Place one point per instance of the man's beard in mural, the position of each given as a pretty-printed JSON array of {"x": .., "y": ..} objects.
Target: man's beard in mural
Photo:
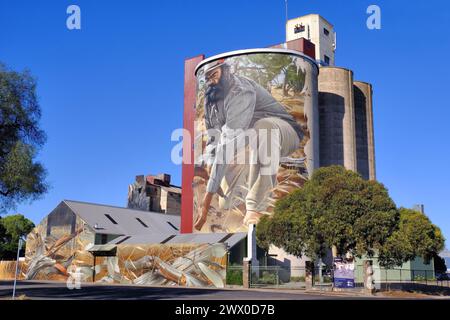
[
  {"x": 216, "y": 93},
  {"x": 213, "y": 94}
]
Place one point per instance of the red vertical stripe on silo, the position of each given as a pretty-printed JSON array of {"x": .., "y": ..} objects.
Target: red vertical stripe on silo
[{"x": 187, "y": 195}]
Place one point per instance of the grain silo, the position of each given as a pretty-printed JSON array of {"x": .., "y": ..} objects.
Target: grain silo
[
  {"x": 252, "y": 90},
  {"x": 365, "y": 145},
  {"x": 337, "y": 118}
]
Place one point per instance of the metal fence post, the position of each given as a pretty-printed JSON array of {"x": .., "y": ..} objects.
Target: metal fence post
[
  {"x": 278, "y": 278},
  {"x": 17, "y": 268},
  {"x": 386, "y": 280}
]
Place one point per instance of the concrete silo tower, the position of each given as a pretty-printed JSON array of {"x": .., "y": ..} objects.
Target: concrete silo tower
[
  {"x": 365, "y": 144},
  {"x": 337, "y": 118},
  {"x": 346, "y": 134}
]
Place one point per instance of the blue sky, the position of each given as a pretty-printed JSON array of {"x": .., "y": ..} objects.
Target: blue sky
[{"x": 112, "y": 92}]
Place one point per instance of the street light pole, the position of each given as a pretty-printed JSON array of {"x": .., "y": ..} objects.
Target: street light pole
[{"x": 17, "y": 268}]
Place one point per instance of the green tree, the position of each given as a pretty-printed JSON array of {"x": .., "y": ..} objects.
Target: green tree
[
  {"x": 439, "y": 265},
  {"x": 11, "y": 229},
  {"x": 335, "y": 209},
  {"x": 415, "y": 237},
  {"x": 22, "y": 178}
]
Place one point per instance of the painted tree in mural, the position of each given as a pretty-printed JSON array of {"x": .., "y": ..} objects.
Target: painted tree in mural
[
  {"x": 415, "y": 237},
  {"x": 267, "y": 66},
  {"x": 335, "y": 209},
  {"x": 266, "y": 70},
  {"x": 21, "y": 176}
]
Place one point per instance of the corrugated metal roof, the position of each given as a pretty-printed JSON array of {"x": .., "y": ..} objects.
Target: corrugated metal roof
[
  {"x": 141, "y": 239},
  {"x": 102, "y": 247},
  {"x": 123, "y": 221},
  {"x": 231, "y": 239}
]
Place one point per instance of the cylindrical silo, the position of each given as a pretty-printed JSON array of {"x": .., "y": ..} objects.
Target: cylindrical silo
[
  {"x": 242, "y": 95},
  {"x": 337, "y": 118},
  {"x": 365, "y": 142}
]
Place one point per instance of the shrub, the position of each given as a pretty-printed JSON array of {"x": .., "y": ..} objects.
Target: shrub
[
  {"x": 267, "y": 278},
  {"x": 234, "y": 276},
  {"x": 298, "y": 279}
]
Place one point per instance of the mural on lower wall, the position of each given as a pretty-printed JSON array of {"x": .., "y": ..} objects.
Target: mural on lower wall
[
  {"x": 193, "y": 265},
  {"x": 62, "y": 248},
  {"x": 53, "y": 250},
  {"x": 62, "y": 255},
  {"x": 8, "y": 270}
]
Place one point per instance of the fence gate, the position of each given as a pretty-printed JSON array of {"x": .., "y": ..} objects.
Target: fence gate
[{"x": 277, "y": 277}]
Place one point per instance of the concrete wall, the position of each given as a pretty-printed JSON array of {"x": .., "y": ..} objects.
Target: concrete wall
[
  {"x": 279, "y": 257},
  {"x": 337, "y": 118},
  {"x": 170, "y": 202}
]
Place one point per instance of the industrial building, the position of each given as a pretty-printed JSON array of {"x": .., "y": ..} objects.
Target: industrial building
[
  {"x": 319, "y": 31},
  {"x": 154, "y": 193},
  {"x": 99, "y": 243}
]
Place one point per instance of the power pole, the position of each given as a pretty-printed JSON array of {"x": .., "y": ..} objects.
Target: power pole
[{"x": 286, "y": 7}]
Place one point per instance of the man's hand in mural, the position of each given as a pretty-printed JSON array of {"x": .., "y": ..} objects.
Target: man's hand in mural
[
  {"x": 205, "y": 208},
  {"x": 252, "y": 217},
  {"x": 202, "y": 172}
]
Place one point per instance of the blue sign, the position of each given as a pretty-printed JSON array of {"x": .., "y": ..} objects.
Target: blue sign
[
  {"x": 344, "y": 283},
  {"x": 344, "y": 273}
]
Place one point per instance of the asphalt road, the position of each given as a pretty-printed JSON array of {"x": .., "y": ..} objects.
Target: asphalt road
[{"x": 58, "y": 290}]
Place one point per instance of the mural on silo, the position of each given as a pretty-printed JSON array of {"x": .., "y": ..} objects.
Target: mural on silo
[
  {"x": 61, "y": 248},
  {"x": 254, "y": 121}
]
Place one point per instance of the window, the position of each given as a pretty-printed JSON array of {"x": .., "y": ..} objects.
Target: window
[
  {"x": 124, "y": 239},
  {"x": 228, "y": 236},
  {"x": 168, "y": 239},
  {"x": 326, "y": 32},
  {"x": 142, "y": 222},
  {"x": 172, "y": 225},
  {"x": 326, "y": 59},
  {"x": 110, "y": 218}
]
